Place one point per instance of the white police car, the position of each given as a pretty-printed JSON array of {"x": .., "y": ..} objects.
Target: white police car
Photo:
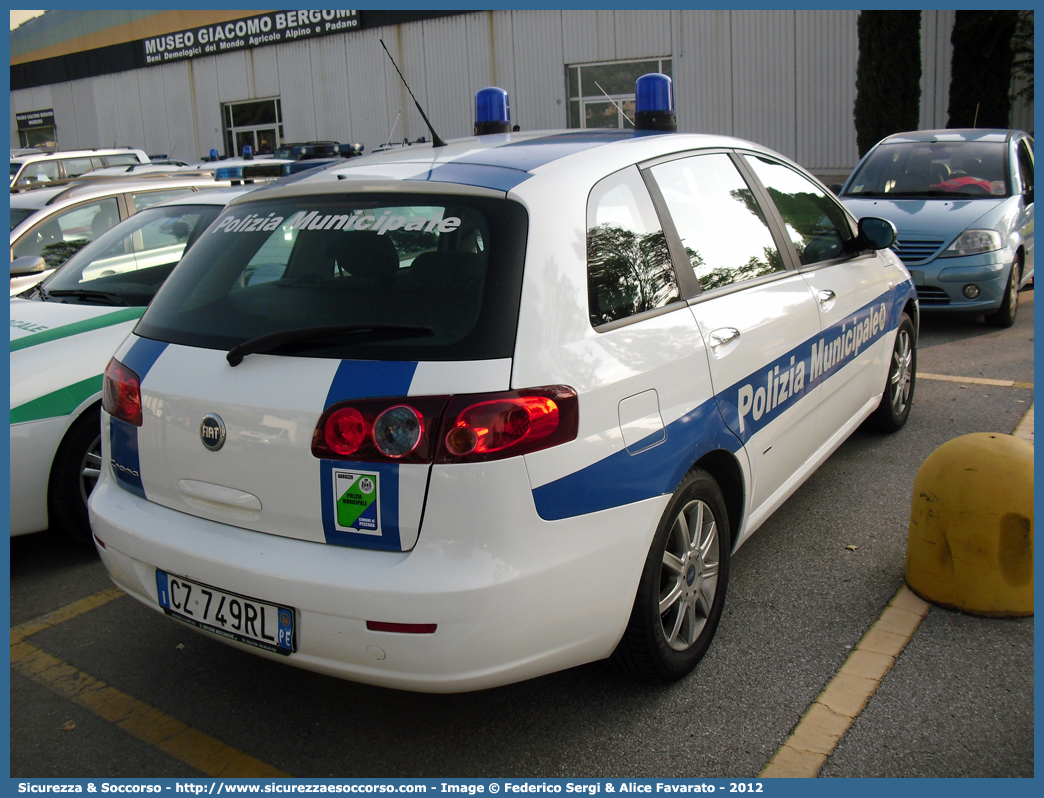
[
  {"x": 446, "y": 418},
  {"x": 63, "y": 333}
]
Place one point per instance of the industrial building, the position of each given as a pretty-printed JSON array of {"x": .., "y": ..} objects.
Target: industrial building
[{"x": 185, "y": 82}]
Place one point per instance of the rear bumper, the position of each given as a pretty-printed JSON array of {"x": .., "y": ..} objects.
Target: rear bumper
[{"x": 513, "y": 596}]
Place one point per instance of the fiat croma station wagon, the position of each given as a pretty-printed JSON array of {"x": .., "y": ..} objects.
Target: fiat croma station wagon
[{"x": 445, "y": 418}]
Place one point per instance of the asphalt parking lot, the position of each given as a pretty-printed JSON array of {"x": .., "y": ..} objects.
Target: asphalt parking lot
[{"x": 803, "y": 592}]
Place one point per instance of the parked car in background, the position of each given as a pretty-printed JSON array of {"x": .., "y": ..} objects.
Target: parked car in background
[
  {"x": 444, "y": 418},
  {"x": 63, "y": 332},
  {"x": 47, "y": 167},
  {"x": 54, "y": 223},
  {"x": 962, "y": 202}
]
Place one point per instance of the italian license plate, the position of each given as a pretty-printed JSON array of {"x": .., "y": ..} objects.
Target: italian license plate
[{"x": 248, "y": 620}]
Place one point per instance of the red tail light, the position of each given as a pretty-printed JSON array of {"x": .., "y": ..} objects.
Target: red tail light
[
  {"x": 461, "y": 429},
  {"x": 506, "y": 424},
  {"x": 121, "y": 393},
  {"x": 389, "y": 430}
]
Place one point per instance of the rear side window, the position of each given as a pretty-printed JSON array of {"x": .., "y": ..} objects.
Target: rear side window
[
  {"x": 629, "y": 268},
  {"x": 721, "y": 225},
  {"x": 447, "y": 267}
]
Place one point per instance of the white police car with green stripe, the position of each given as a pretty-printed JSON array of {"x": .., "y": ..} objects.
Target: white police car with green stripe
[
  {"x": 449, "y": 417},
  {"x": 63, "y": 333}
]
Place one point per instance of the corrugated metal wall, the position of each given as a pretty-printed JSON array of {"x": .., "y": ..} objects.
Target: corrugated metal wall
[
  {"x": 763, "y": 84},
  {"x": 783, "y": 78},
  {"x": 936, "y": 55},
  {"x": 827, "y": 49}
]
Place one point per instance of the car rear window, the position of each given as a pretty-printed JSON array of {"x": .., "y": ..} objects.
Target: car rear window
[{"x": 449, "y": 266}]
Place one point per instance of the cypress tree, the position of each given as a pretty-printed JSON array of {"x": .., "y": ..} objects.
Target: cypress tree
[
  {"x": 888, "y": 75},
  {"x": 980, "y": 73}
]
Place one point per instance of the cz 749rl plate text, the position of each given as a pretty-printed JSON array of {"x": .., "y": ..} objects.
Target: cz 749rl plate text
[{"x": 230, "y": 615}]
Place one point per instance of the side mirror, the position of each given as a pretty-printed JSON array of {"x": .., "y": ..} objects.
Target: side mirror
[
  {"x": 836, "y": 188},
  {"x": 876, "y": 233},
  {"x": 27, "y": 264},
  {"x": 1029, "y": 195}
]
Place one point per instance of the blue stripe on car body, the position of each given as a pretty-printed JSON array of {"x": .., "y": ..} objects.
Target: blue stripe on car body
[
  {"x": 123, "y": 437},
  {"x": 469, "y": 174},
  {"x": 366, "y": 379},
  {"x": 623, "y": 478}
]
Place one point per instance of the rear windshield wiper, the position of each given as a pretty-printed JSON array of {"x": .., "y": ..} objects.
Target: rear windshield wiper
[
  {"x": 323, "y": 336},
  {"x": 103, "y": 297}
]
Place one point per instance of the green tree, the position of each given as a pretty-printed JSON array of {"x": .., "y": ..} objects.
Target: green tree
[
  {"x": 980, "y": 73},
  {"x": 888, "y": 75},
  {"x": 1022, "y": 49}
]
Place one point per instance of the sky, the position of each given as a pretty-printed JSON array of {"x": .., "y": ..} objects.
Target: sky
[{"x": 18, "y": 17}]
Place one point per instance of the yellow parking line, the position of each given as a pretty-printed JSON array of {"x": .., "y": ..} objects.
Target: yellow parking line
[
  {"x": 201, "y": 751},
  {"x": 19, "y": 633},
  {"x": 921, "y": 375},
  {"x": 835, "y": 710}
]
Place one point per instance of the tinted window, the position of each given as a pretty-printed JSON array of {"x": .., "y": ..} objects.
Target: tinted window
[
  {"x": 65, "y": 233},
  {"x": 143, "y": 199},
  {"x": 450, "y": 264},
  {"x": 721, "y": 225},
  {"x": 945, "y": 168},
  {"x": 130, "y": 262},
  {"x": 120, "y": 160},
  {"x": 629, "y": 267},
  {"x": 815, "y": 224},
  {"x": 76, "y": 166},
  {"x": 19, "y": 214}
]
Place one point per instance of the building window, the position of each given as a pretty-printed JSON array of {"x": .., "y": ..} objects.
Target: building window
[
  {"x": 257, "y": 123},
  {"x": 602, "y": 94}
]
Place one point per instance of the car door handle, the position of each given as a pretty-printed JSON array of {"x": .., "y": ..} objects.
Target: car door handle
[
  {"x": 723, "y": 335},
  {"x": 825, "y": 296}
]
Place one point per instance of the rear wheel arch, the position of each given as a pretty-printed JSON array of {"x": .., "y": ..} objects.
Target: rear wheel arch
[
  {"x": 911, "y": 309},
  {"x": 725, "y": 469}
]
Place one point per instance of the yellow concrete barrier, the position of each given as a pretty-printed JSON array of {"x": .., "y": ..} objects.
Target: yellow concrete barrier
[{"x": 970, "y": 545}]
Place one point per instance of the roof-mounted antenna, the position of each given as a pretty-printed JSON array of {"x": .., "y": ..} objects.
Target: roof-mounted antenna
[
  {"x": 392, "y": 131},
  {"x": 618, "y": 108},
  {"x": 436, "y": 141}
]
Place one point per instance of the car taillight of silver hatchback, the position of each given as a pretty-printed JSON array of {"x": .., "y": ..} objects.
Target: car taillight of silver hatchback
[{"x": 447, "y": 429}]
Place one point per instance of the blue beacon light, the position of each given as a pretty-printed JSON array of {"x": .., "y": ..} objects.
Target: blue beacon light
[
  {"x": 654, "y": 103},
  {"x": 248, "y": 153},
  {"x": 492, "y": 111},
  {"x": 213, "y": 154}
]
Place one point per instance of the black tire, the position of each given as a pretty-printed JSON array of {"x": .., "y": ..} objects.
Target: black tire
[
  {"x": 898, "y": 396},
  {"x": 73, "y": 476},
  {"x": 1004, "y": 316},
  {"x": 665, "y": 646}
]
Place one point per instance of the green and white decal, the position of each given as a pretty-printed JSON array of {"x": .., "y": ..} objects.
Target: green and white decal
[{"x": 356, "y": 501}]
